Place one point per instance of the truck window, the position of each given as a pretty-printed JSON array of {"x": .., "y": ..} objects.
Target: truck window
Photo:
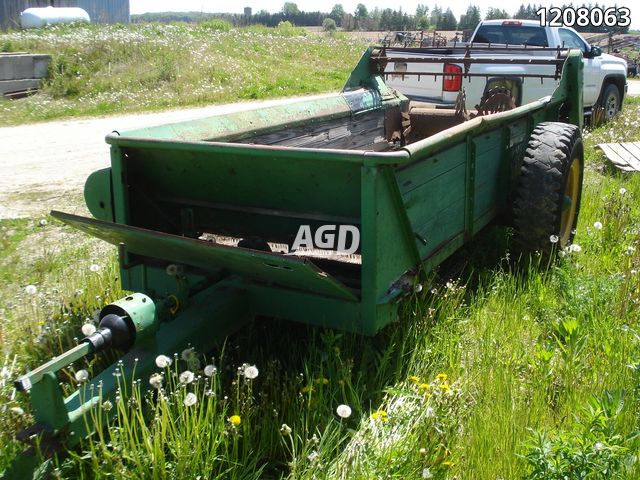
[
  {"x": 571, "y": 39},
  {"x": 512, "y": 34}
]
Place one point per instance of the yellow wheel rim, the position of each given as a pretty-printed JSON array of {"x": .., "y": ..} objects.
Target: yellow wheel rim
[{"x": 570, "y": 201}]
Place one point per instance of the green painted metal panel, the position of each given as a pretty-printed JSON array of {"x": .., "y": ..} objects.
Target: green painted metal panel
[
  {"x": 258, "y": 266},
  {"x": 97, "y": 194},
  {"x": 433, "y": 195},
  {"x": 235, "y": 126},
  {"x": 490, "y": 161}
]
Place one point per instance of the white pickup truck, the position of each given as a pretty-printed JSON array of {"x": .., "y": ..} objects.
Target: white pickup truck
[{"x": 604, "y": 79}]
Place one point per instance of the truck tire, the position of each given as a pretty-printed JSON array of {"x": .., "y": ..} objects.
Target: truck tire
[
  {"x": 547, "y": 198},
  {"x": 609, "y": 101}
]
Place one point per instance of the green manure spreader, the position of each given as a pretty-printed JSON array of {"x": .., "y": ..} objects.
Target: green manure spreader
[{"x": 324, "y": 211}]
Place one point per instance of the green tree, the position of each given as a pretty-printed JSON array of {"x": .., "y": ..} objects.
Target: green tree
[
  {"x": 423, "y": 23},
  {"x": 329, "y": 25},
  {"x": 447, "y": 21},
  {"x": 470, "y": 19},
  {"x": 421, "y": 11},
  {"x": 337, "y": 12},
  {"x": 290, "y": 9},
  {"x": 436, "y": 13},
  {"x": 496, "y": 13},
  {"x": 361, "y": 14}
]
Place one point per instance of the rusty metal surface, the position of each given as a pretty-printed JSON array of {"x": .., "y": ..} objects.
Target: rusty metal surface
[{"x": 624, "y": 156}]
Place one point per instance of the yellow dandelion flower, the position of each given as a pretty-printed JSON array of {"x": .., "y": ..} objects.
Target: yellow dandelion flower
[
  {"x": 322, "y": 381},
  {"x": 307, "y": 389},
  {"x": 424, "y": 387},
  {"x": 442, "y": 377},
  {"x": 444, "y": 387},
  {"x": 380, "y": 415},
  {"x": 235, "y": 420},
  {"x": 448, "y": 463},
  {"x": 414, "y": 379}
]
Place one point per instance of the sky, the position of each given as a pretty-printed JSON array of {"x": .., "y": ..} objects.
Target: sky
[{"x": 409, "y": 6}]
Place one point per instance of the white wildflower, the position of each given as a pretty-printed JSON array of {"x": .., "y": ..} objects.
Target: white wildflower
[
  {"x": 598, "y": 447},
  {"x": 575, "y": 248},
  {"x": 188, "y": 354},
  {"x": 88, "y": 329},
  {"x": 94, "y": 267},
  {"x": 43, "y": 223},
  {"x": 630, "y": 249},
  {"x": 31, "y": 289},
  {"x": 430, "y": 412},
  {"x": 313, "y": 456},
  {"x": 17, "y": 410},
  {"x": 554, "y": 239},
  {"x": 82, "y": 376},
  {"x": 162, "y": 361},
  {"x": 190, "y": 399},
  {"x": 285, "y": 429},
  {"x": 155, "y": 381},
  {"x": 623, "y": 191},
  {"x": 343, "y": 411},
  {"x": 186, "y": 377},
  {"x": 426, "y": 473},
  {"x": 107, "y": 405},
  {"x": 597, "y": 225},
  {"x": 251, "y": 372}
]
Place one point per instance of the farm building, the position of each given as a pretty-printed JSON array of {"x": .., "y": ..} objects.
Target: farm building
[{"x": 100, "y": 11}]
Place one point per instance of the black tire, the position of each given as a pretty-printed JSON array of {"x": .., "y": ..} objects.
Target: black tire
[
  {"x": 609, "y": 101},
  {"x": 547, "y": 199}
]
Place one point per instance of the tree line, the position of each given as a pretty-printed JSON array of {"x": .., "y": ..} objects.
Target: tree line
[{"x": 423, "y": 18}]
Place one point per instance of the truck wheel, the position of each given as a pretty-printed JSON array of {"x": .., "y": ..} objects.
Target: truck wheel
[
  {"x": 547, "y": 200},
  {"x": 610, "y": 101}
]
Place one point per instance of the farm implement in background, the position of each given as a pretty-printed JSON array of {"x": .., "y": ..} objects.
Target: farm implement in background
[{"x": 210, "y": 218}]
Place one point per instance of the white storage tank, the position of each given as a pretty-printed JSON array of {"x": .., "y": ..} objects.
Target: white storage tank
[{"x": 41, "y": 17}]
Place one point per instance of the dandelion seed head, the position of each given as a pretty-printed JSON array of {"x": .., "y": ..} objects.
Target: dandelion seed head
[
  {"x": 107, "y": 405},
  {"x": 162, "y": 361},
  {"x": 31, "y": 289},
  {"x": 16, "y": 410},
  {"x": 313, "y": 456},
  {"x": 94, "y": 267},
  {"x": 251, "y": 372},
  {"x": 430, "y": 412},
  {"x": 155, "y": 380},
  {"x": 210, "y": 370},
  {"x": 343, "y": 411},
  {"x": 554, "y": 239},
  {"x": 622, "y": 191},
  {"x": 186, "y": 377},
  {"x": 426, "y": 473},
  {"x": 597, "y": 225},
  {"x": 574, "y": 248},
  {"x": 82, "y": 376},
  {"x": 88, "y": 329},
  {"x": 190, "y": 399},
  {"x": 43, "y": 223},
  {"x": 285, "y": 430}
]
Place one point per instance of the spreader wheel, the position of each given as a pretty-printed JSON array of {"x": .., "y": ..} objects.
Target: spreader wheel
[{"x": 547, "y": 200}]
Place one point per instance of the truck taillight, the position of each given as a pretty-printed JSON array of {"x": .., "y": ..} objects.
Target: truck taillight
[
  {"x": 513, "y": 23},
  {"x": 452, "y": 83}
]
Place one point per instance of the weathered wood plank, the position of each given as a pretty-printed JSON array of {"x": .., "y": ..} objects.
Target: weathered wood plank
[{"x": 625, "y": 156}]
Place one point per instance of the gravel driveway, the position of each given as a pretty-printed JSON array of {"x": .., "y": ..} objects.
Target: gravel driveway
[{"x": 44, "y": 166}]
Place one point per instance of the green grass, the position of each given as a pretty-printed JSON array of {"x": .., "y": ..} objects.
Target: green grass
[
  {"x": 98, "y": 70},
  {"x": 498, "y": 372}
]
